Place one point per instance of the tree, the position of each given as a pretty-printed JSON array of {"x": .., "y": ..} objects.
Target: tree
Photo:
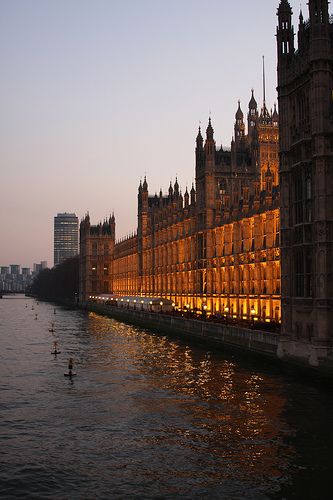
[{"x": 60, "y": 282}]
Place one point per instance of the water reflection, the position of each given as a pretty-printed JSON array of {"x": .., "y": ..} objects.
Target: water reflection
[
  {"x": 230, "y": 415},
  {"x": 149, "y": 416}
]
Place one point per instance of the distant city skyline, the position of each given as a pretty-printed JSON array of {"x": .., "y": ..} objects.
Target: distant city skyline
[{"x": 96, "y": 95}]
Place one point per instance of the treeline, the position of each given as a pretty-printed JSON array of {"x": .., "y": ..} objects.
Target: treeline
[{"x": 60, "y": 282}]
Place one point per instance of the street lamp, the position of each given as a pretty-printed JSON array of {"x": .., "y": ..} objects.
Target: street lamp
[
  {"x": 161, "y": 304},
  {"x": 252, "y": 312},
  {"x": 226, "y": 310},
  {"x": 150, "y": 305}
]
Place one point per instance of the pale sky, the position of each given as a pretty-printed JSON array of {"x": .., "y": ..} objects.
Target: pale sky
[{"x": 94, "y": 94}]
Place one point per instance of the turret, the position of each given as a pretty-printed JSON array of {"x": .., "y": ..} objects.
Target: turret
[
  {"x": 209, "y": 148},
  {"x": 142, "y": 208},
  {"x": 239, "y": 126},
  {"x": 170, "y": 191},
  {"x": 176, "y": 188},
  {"x": 285, "y": 32},
  {"x": 186, "y": 198},
  {"x": 252, "y": 117},
  {"x": 192, "y": 194},
  {"x": 319, "y": 30},
  {"x": 112, "y": 224},
  {"x": 301, "y": 29},
  {"x": 275, "y": 117}
]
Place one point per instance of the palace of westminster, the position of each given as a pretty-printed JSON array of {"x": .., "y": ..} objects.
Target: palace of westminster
[{"x": 253, "y": 238}]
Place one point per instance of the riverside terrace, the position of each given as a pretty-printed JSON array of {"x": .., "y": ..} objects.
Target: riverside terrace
[{"x": 163, "y": 306}]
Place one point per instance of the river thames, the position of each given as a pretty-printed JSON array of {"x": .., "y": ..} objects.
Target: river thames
[{"x": 149, "y": 416}]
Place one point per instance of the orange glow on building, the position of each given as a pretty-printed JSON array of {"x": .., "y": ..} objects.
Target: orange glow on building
[{"x": 214, "y": 249}]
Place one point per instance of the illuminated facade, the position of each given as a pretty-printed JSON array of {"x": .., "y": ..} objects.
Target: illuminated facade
[
  {"x": 216, "y": 247},
  {"x": 305, "y": 90}
]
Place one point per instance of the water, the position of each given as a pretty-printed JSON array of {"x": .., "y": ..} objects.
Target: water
[{"x": 150, "y": 417}]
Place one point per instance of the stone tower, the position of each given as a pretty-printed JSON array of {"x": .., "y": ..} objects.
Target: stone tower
[
  {"x": 96, "y": 257},
  {"x": 305, "y": 93}
]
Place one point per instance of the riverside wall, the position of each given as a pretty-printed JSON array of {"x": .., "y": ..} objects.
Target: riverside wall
[{"x": 255, "y": 341}]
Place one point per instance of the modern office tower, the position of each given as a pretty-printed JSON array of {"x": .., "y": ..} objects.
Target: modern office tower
[
  {"x": 66, "y": 227},
  {"x": 26, "y": 271},
  {"x": 4, "y": 270},
  {"x": 43, "y": 264},
  {"x": 305, "y": 83}
]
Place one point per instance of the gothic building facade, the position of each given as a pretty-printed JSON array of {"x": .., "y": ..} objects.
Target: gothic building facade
[
  {"x": 305, "y": 93},
  {"x": 216, "y": 247}
]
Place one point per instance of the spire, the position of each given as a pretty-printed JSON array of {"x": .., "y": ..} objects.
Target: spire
[
  {"x": 186, "y": 198},
  {"x": 275, "y": 116},
  {"x": 284, "y": 7},
  {"x": 140, "y": 187},
  {"x": 145, "y": 185},
  {"x": 263, "y": 81},
  {"x": 199, "y": 139},
  {"x": 239, "y": 114},
  {"x": 253, "y": 102},
  {"x": 176, "y": 188},
  {"x": 209, "y": 131},
  {"x": 301, "y": 19},
  {"x": 192, "y": 193},
  {"x": 170, "y": 190}
]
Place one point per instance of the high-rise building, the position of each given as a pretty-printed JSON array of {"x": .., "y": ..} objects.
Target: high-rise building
[
  {"x": 66, "y": 228},
  {"x": 305, "y": 91},
  {"x": 15, "y": 268}
]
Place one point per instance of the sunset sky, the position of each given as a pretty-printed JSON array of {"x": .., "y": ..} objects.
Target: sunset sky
[{"x": 96, "y": 94}]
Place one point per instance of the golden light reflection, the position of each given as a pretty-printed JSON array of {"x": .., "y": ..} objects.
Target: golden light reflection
[{"x": 233, "y": 413}]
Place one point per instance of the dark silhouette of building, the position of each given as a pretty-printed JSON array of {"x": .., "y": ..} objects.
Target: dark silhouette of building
[
  {"x": 305, "y": 93},
  {"x": 66, "y": 237}
]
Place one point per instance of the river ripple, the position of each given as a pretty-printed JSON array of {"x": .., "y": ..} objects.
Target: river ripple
[{"x": 150, "y": 417}]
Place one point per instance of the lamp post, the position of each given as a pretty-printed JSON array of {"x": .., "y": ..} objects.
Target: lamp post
[
  {"x": 252, "y": 312},
  {"x": 150, "y": 306},
  {"x": 161, "y": 304},
  {"x": 204, "y": 311},
  {"x": 226, "y": 310}
]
